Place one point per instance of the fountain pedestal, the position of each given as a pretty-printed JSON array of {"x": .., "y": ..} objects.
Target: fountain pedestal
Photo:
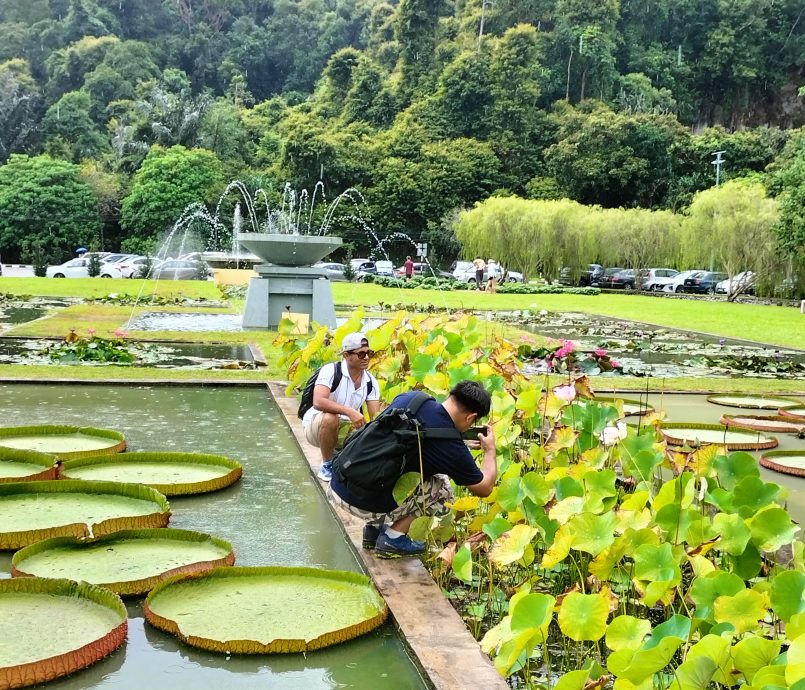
[
  {"x": 304, "y": 290},
  {"x": 286, "y": 281}
]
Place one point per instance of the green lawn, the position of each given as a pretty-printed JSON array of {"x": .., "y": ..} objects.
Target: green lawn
[
  {"x": 783, "y": 326},
  {"x": 98, "y": 287}
]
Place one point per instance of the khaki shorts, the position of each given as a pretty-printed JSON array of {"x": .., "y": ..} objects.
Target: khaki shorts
[
  {"x": 432, "y": 500},
  {"x": 313, "y": 430}
]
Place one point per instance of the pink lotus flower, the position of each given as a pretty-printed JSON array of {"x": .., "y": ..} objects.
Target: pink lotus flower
[
  {"x": 600, "y": 352},
  {"x": 91, "y": 331},
  {"x": 615, "y": 364},
  {"x": 119, "y": 333},
  {"x": 566, "y": 393}
]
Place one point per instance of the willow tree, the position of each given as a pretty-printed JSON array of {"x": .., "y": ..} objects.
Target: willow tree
[
  {"x": 732, "y": 226},
  {"x": 637, "y": 238},
  {"x": 532, "y": 236}
]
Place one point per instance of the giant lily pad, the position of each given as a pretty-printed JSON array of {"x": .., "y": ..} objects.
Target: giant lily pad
[
  {"x": 25, "y": 465},
  {"x": 172, "y": 474},
  {"x": 680, "y": 434},
  {"x": 129, "y": 562},
  {"x": 64, "y": 441},
  {"x": 795, "y": 413},
  {"x": 773, "y": 423},
  {"x": 50, "y": 628},
  {"x": 30, "y": 511},
  {"x": 756, "y": 402},
  {"x": 631, "y": 407},
  {"x": 785, "y": 461},
  {"x": 266, "y": 610}
]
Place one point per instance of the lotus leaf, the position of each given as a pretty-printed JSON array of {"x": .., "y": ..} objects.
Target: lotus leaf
[
  {"x": 627, "y": 632},
  {"x": 129, "y": 562},
  {"x": 733, "y": 532},
  {"x": 584, "y": 616},
  {"x": 592, "y": 533},
  {"x": 30, "y": 511},
  {"x": 637, "y": 666},
  {"x": 680, "y": 491},
  {"x": 694, "y": 674},
  {"x": 639, "y": 455},
  {"x": 495, "y": 527},
  {"x": 568, "y": 486},
  {"x": 510, "y": 547},
  {"x": 51, "y": 628},
  {"x": 747, "y": 565},
  {"x": 600, "y": 492},
  {"x": 509, "y": 493},
  {"x": 700, "y": 533},
  {"x": 734, "y": 467},
  {"x": 462, "y": 563},
  {"x": 772, "y": 676},
  {"x": 533, "y": 612},
  {"x": 795, "y": 668},
  {"x": 751, "y": 494},
  {"x": 716, "y": 649},
  {"x": 795, "y": 626},
  {"x": 656, "y": 571},
  {"x": 675, "y": 522},
  {"x": 788, "y": 594},
  {"x": 705, "y": 590},
  {"x": 742, "y": 610},
  {"x": 675, "y": 627},
  {"x": 536, "y": 488},
  {"x": 635, "y": 501},
  {"x": 753, "y": 653},
  {"x": 560, "y": 547},
  {"x": 265, "y": 610},
  {"x": 527, "y": 401},
  {"x": 405, "y": 486},
  {"x": 772, "y": 528}
]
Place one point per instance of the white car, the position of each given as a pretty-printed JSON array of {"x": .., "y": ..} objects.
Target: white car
[
  {"x": 655, "y": 279},
  {"x": 677, "y": 283},
  {"x": 465, "y": 272},
  {"x": 745, "y": 282},
  {"x": 131, "y": 266},
  {"x": 79, "y": 268}
]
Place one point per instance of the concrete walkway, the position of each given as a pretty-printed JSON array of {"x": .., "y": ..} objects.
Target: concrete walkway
[{"x": 448, "y": 655}]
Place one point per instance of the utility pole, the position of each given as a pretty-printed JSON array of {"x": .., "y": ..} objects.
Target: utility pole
[{"x": 717, "y": 161}]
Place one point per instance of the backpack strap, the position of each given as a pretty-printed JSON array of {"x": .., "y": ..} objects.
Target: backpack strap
[
  {"x": 419, "y": 399},
  {"x": 337, "y": 375}
]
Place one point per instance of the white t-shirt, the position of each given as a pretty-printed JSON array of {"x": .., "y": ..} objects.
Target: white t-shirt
[
  {"x": 345, "y": 393},
  {"x": 493, "y": 269}
]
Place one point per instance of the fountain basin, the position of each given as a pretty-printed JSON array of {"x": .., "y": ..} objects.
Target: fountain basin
[{"x": 288, "y": 250}]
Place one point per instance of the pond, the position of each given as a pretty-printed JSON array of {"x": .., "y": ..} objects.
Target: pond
[
  {"x": 195, "y": 322},
  {"x": 646, "y": 350},
  {"x": 274, "y": 516},
  {"x": 160, "y": 355},
  {"x": 13, "y": 313}
]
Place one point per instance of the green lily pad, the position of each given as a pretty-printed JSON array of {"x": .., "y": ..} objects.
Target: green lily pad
[
  {"x": 265, "y": 610},
  {"x": 51, "y": 628},
  {"x": 785, "y": 461},
  {"x": 754, "y": 653},
  {"x": 772, "y": 528},
  {"x": 692, "y": 434},
  {"x": 627, "y": 632},
  {"x": 756, "y": 402},
  {"x": 172, "y": 474},
  {"x": 129, "y": 562},
  {"x": 67, "y": 442},
  {"x": 31, "y": 511},
  {"x": 788, "y": 594},
  {"x": 26, "y": 465},
  {"x": 742, "y": 610},
  {"x": 584, "y": 616}
]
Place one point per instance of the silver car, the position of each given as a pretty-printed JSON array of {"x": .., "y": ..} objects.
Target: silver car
[{"x": 180, "y": 269}]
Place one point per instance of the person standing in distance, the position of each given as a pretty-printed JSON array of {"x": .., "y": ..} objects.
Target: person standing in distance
[
  {"x": 337, "y": 410},
  {"x": 408, "y": 266},
  {"x": 480, "y": 268}
]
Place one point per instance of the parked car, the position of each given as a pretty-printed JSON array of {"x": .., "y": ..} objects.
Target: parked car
[
  {"x": 114, "y": 258},
  {"x": 425, "y": 270},
  {"x": 385, "y": 268},
  {"x": 181, "y": 269},
  {"x": 677, "y": 283},
  {"x": 333, "y": 271},
  {"x": 131, "y": 266},
  {"x": 604, "y": 279},
  {"x": 586, "y": 277},
  {"x": 743, "y": 282},
  {"x": 465, "y": 272},
  {"x": 703, "y": 282},
  {"x": 79, "y": 268},
  {"x": 363, "y": 268},
  {"x": 655, "y": 279}
]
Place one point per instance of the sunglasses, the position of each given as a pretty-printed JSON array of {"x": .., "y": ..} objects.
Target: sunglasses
[{"x": 364, "y": 354}]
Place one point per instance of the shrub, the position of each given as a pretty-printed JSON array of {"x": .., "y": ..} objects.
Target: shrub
[{"x": 94, "y": 266}]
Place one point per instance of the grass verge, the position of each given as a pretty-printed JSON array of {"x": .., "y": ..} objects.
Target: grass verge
[{"x": 98, "y": 287}]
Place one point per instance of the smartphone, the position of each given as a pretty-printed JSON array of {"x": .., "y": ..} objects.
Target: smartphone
[{"x": 471, "y": 434}]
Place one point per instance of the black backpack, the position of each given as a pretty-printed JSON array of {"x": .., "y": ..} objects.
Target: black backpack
[
  {"x": 307, "y": 394},
  {"x": 374, "y": 457}
]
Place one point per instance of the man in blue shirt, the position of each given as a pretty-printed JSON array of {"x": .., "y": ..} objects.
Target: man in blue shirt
[{"x": 441, "y": 458}]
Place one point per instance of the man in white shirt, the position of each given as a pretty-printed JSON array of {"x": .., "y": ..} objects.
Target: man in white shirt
[{"x": 336, "y": 409}]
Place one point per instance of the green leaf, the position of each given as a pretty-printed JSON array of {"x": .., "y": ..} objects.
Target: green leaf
[
  {"x": 706, "y": 589},
  {"x": 717, "y": 650},
  {"x": 533, "y": 612},
  {"x": 751, "y": 494},
  {"x": 788, "y": 594},
  {"x": 422, "y": 365},
  {"x": 536, "y": 488},
  {"x": 584, "y": 616},
  {"x": 772, "y": 529},
  {"x": 644, "y": 663},
  {"x": 732, "y": 468},
  {"x": 405, "y": 486},
  {"x": 462, "y": 563},
  {"x": 510, "y": 547},
  {"x": 795, "y": 669},
  {"x": 742, "y": 610},
  {"x": 694, "y": 674},
  {"x": 627, "y": 632},
  {"x": 572, "y": 680},
  {"x": 676, "y": 626},
  {"x": 509, "y": 493},
  {"x": 593, "y": 533},
  {"x": 495, "y": 527},
  {"x": 734, "y": 533},
  {"x": 753, "y": 653}
]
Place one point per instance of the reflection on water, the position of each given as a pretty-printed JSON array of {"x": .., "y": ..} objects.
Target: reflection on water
[{"x": 274, "y": 516}]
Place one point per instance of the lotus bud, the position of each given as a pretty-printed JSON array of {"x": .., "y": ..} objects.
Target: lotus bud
[
  {"x": 610, "y": 436},
  {"x": 566, "y": 393}
]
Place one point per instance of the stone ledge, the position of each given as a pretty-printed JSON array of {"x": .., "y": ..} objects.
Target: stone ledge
[{"x": 444, "y": 649}]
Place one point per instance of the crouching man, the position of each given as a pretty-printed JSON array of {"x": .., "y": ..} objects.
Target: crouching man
[{"x": 443, "y": 454}]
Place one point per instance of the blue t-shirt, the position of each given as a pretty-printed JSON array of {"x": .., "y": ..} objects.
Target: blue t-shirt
[{"x": 439, "y": 456}]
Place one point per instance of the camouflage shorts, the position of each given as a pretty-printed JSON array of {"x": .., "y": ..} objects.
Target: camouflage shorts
[{"x": 431, "y": 498}]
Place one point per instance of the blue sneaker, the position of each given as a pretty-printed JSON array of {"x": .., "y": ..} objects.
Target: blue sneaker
[
  {"x": 326, "y": 471},
  {"x": 386, "y": 547}
]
